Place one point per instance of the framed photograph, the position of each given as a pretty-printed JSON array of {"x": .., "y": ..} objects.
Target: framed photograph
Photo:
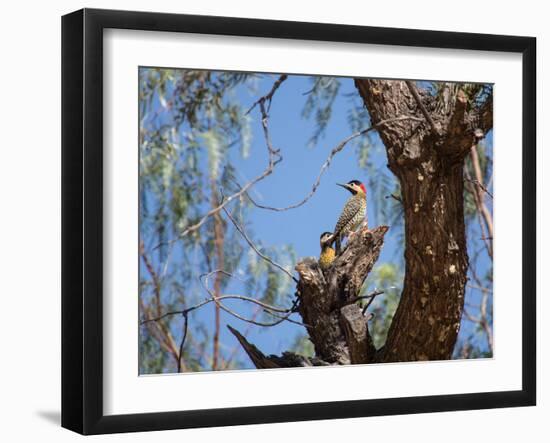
[{"x": 269, "y": 221}]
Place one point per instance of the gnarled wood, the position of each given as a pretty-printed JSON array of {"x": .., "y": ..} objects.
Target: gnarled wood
[
  {"x": 328, "y": 305},
  {"x": 354, "y": 323},
  {"x": 323, "y": 296},
  {"x": 287, "y": 360}
]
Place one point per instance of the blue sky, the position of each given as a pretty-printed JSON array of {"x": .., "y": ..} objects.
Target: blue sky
[{"x": 291, "y": 182}]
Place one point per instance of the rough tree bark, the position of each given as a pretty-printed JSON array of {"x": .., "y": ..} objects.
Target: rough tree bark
[
  {"x": 427, "y": 158},
  {"x": 328, "y": 306},
  {"x": 428, "y": 162}
]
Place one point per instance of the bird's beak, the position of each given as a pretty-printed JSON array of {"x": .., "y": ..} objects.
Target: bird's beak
[{"x": 346, "y": 186}]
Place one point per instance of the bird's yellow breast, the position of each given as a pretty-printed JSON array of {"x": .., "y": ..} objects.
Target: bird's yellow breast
[{"x": 327, "y": 257}]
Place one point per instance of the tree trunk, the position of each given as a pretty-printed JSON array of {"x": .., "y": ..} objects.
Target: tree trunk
[
  {"x": 428, "y": 161},
  {"x": 427, "y": 321}
]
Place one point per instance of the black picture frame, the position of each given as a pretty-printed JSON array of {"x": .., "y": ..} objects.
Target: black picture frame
[{"x": 82, "y": 219}]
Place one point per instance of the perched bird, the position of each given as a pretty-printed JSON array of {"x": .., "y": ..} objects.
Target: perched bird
[
  {"x": 353, "y": 214},
  {"x": 327, "y": 252}
]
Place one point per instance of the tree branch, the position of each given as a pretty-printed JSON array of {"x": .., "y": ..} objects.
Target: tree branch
[
  {"x": 161, "y": 332},
  {"x": 487, "y": 241},
  {"x": 372, "y": 297},
  {"x": 239, "y": 228},
  {"x": 423, "y": 109},
  {"x": 153, "y": 274},
  {"x": 269, "y": 96},
  {"x": 266, "y": 306},
  {"x": 182, "y": 343},
  {"x": 481, "y": 186},
  {"x": 328, "y": 161},
  {"x": 479, "y": 178},
  {"x": 258, "y": 323},
  {"x": 369, "y": 297},
  {"x": 485, "y": 114}
]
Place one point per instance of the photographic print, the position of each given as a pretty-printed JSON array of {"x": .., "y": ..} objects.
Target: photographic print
[{"x": 293, "y": 220}]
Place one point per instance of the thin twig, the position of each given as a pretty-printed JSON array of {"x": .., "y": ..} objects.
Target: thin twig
[
  {"x": 482, "y": 320},
  {"x": 482, "y": 225},
  {"x": 483, "y": 317},
  {"x": 317, "y": 81},
  {"x": 373, "y": 296},
  {"x": 363, "y": 297},
  {"x": 483, "y": 188},
  {"x": 153, "y": 274},
  {"x": 479, "y": 178},
  {"x": 423, "y": 109},
  {"x": 210, "y": 300},
  {"x": 170, "y": 313},
  {"x": 236, "y": 315},
  {"x": 163, "y": 337},
  {"x": 255, "y": 322},
  {"x": 471, "y": 305},
  {"x": 239, "y": 228},
  {"x": 162, "y": 333},
  {"x": 185, "y": 321},
  {"x": 484, "y": 323},
  {"x": 185, "y": 312},
  {"x": 470, "y": 317},
  {"x": 395, "y": 197},
  {"x": 479, "y": 288},
  {"x": 287, "y": 318},
  {"x": 269, "y": 96}
]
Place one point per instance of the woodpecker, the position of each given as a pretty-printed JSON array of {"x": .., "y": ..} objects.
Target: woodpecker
[
  {"x": 353, "y": 214},
  {"x": 327, "y": 252}
]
